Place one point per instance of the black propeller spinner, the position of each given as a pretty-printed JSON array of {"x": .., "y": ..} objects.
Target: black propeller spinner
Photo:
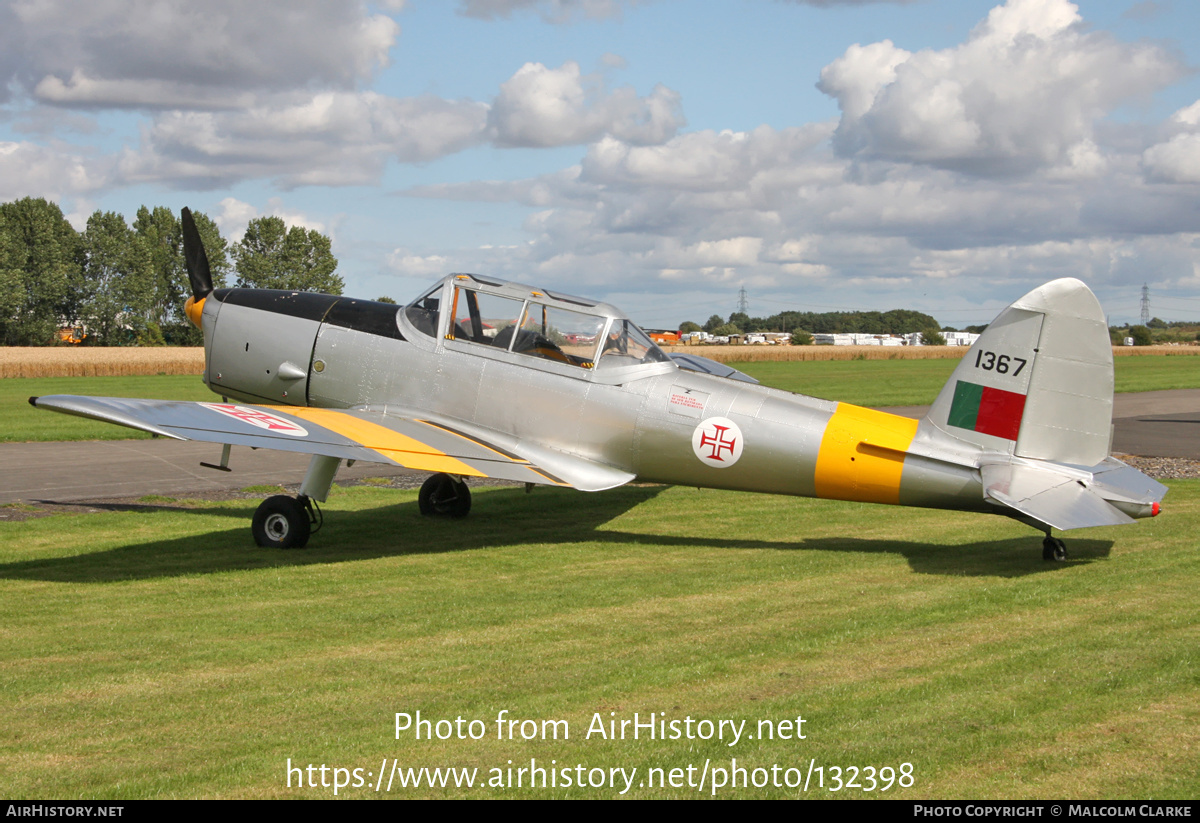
[{"x": 195, "y": 257}]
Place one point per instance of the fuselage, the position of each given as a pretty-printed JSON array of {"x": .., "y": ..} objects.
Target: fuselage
[{"x": 628, "y": 408}]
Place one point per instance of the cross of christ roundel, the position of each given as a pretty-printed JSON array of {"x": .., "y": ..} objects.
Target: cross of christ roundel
[{"x": 717, "y": 442}]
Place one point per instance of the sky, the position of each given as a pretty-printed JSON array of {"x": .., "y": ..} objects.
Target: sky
[{"x": 939, "y": 155}]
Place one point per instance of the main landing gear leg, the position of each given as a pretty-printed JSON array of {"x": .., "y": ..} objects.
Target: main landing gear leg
[
  {"x": 444, "y": 495},
  {"x": 1053, "y": 548}
]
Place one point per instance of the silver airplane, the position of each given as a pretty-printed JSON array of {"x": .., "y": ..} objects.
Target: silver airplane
[{"x": 480, "y": 378}]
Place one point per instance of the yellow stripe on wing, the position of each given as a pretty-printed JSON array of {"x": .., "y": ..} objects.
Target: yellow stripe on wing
[
  {"x": 862, "y": 455},
  {"x": 405, "y": 450}
]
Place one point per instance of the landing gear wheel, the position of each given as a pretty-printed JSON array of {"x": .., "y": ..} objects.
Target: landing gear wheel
[
  {"x": 1053, "y": 549},
  {"x": 444, "y": 496},
  {"x": 281, "y": 522}
]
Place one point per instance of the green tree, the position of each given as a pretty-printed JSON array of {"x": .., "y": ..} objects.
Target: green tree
[
  {"x": 118, "y": 298},
  {"x": 741, "y": 320},
  {"x": 932, "y": 337},
  {"x": 161, "y": 233},
  {"x": 801, "y": 338},
  {"x": 714, "y": 323},
  {"x": 271, "y": 256},
  {"x": 687, "y": 327},
  {"x": 1141, "y": 335},
  {"x": 39, "y": 271}
]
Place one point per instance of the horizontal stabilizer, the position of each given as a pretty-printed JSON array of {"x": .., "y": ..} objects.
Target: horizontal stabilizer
[
  {"x": 1060, "y": 499},
  {"x": 1122, "y": 483}
]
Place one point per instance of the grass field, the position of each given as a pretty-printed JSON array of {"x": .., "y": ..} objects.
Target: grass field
[
  {"x": 917, "y": 382},
  {"x": 756, "y": 354},
  {"x": 21, "y": 422},
  {"x": 862, "y": 382},
  {"x": 159, "y": 654}
]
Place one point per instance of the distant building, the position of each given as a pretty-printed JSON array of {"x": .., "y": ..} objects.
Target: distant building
[
  {"x": 960, "y": 338},
  {"x": 858, "y": 340},
  {"x": 953, "y": 338}
]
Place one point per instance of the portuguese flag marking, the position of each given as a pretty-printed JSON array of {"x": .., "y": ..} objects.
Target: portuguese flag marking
[{"x": 987, "y": 410}]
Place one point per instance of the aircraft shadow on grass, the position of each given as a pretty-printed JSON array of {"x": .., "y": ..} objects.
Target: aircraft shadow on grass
[{"x": 508, "y": 517}]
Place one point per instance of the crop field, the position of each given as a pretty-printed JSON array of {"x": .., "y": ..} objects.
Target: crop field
[
  {"x": 155, "y": 652},
  {"x": 87, "y": 361}
]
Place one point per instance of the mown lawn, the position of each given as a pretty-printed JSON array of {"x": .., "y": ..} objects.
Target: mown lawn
[{"x": 158, "y": 653}]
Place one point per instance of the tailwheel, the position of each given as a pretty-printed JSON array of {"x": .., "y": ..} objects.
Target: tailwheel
[
  {"x": 444, "y": 496},
  {"x": 282, "y": 522},
  {"x": 1053, "y": 549}
]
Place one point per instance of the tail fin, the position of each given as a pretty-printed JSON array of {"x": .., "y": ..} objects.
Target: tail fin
[{"x": 1038, "y": 382}]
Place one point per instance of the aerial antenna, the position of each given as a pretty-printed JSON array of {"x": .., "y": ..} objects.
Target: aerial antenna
[{"x": 1145, "y": 304}]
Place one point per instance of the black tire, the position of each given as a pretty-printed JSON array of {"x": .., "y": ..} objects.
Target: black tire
[
  {"x": 443, "y": 496},
  {"x": 1054, "y": 549},
  {"x": 281, "y": 522}
]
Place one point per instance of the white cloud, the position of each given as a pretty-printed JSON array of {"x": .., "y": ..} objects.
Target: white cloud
[
  {"x": 56, "y": 173},
  {"x": 339, "y": 138},
  {"x": 403, "y": 262},
  {"x": 542, "y": 107},
  {"x": 951, "y": 176},
  {"x": 150, "y": 53},
  {"x": 1176, "y": 161},
  {"x": 707, "y": 160},
  {"x": 1022, "y": 94},
  {"x": 332, "y": 138},
  {"x": 832, "y": 3},
  {"x": 552, "y": 11},
  {"x": 670, "y": 253},
  {"x": 233, "y": 218},
  {"x": 235, "y": 215},
  {"x": 1188, "y": 116}
]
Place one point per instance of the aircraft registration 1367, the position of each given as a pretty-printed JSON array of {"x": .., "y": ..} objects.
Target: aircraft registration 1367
[{"x": 483, "y": 378}]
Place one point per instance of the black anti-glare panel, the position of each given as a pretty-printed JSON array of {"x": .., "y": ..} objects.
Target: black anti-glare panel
[
  {"x": 366, "y": 316},
  {"x": 361, "y": 315},
  {"x": 304, "y": 304}
]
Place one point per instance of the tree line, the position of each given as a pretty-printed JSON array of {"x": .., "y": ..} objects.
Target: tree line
[{"x": 116, "y": 284}]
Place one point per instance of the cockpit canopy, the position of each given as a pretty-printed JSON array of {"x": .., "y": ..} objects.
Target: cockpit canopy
[{"x": 511, "y": 317}]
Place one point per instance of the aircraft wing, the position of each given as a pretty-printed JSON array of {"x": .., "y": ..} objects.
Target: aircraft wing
[{"x": 392, "y": 436}]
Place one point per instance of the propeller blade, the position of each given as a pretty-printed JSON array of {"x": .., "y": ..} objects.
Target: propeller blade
[{"x": 195, "y": 257}]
